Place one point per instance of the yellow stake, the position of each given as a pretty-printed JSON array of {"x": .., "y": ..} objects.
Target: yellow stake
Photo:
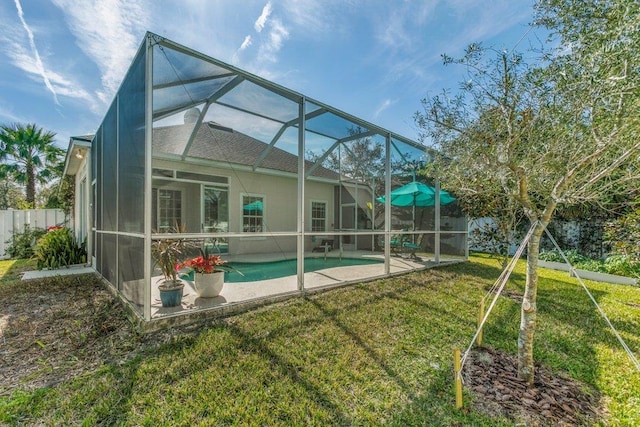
[
  {"x": 458, "y": 377},
  {"x": 480, "y": 317}
]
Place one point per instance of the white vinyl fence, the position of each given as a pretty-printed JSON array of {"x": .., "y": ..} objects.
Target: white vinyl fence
[{"x": 14, "y": 221}]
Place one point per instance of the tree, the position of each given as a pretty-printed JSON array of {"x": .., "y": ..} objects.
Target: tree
[
  {"x": 59, "y": 195},
  {"x": 561, "y": 131},
  {"x": 10, "y": 196},
  {"x": 29, "y": 156}
]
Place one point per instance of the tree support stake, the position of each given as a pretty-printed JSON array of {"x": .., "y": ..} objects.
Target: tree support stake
[
  {"x": 457, "y": 368},
  {"x": 480, "y": 325}
]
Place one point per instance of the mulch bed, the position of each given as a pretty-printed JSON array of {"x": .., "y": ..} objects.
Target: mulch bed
[{"x": 553, "y": 400}]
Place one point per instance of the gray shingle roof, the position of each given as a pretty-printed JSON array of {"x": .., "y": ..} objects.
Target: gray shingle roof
[{"x": 214, "y": 142}]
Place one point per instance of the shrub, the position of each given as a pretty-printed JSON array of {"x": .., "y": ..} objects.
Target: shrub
[
  {"x": 623, "y": 235},
  {"x": 58, "y": 247},
  {"x": 622, "y": 265},
  {"x": 572, "y": 255},
  {"x": 22, "y": 244}
]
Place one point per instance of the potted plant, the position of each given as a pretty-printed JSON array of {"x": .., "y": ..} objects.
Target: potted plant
[
  {"x": 166, "y": 254},
  {"x": 209, "y": 273}
]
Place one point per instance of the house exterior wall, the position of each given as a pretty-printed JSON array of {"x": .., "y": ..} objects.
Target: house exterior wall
[
  {"x": 280, "y": 214},
  {"x": 80, "y": 220}
]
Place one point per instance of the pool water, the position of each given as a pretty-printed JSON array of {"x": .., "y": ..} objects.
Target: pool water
[{"x": 254, "y": 271}]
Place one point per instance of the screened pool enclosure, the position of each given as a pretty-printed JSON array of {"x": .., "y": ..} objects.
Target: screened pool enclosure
[{"x": 294, "y": 192}]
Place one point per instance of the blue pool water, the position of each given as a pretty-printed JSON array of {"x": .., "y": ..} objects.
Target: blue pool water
[{"x": 254, "y": 271}]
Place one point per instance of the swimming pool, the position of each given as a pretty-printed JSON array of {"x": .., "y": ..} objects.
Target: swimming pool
[{"x": 254, "y": 271}]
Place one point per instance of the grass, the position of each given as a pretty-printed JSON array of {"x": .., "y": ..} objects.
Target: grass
[{"x": 373, "y": 354}]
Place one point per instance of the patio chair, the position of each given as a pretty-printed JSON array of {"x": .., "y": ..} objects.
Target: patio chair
[
  {"x": 325, "y": 246},
  {"x": 396, "y": 244},
  {"x": 403, "y": 246}
]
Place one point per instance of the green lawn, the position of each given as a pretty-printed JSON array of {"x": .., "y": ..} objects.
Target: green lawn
[{"x": 379, "y": 353}]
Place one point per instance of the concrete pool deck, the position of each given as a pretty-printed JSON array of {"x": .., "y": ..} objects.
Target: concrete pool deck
[{"x": 238, "y": 293}]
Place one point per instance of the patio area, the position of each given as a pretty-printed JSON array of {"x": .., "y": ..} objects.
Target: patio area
[{"x": 239, "y": 296}]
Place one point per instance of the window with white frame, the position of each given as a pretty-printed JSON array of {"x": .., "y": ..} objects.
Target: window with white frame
[
  {"x": 318, "y": 216},
  {"x": 252, "y": 213},
  {"x": 167, "y": 212}
]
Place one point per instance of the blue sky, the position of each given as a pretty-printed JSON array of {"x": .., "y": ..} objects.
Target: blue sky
[{"x": 61, "y": 61}]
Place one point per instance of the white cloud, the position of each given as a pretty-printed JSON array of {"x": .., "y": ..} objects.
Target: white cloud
[
  {"x": 235, "y": 59},
  {"x": 262, "y": 19},
  {"x": 330, "y": 19},
  {"x": 246, "y": 43},
  {"x": 21, "y": 52},
  {"x": 109, "y": 32},
  {"x": 35, "y": 63},
  {"x": 273, "y": 43},
  {"x": 383, "y": 106}
]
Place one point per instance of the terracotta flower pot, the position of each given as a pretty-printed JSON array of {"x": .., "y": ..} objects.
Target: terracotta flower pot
[{"x": 209, "y": 285}]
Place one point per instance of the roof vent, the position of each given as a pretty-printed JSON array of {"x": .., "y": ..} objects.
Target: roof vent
[{"x": 191, "y": 116}]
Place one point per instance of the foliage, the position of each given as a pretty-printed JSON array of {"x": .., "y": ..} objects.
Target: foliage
[
  {"x": 503, "y": 231},
  {"x": 168, "y": 252},
  {"x": 562, "y": 130},
  {"x": 11, "y": 197},
  {"x": 620, "y": 265},
  {"x": 22, "y": 244},
  {"x": 206, "y": 263},
  {"x": 623, "y": 235},
  {"x": 58, "y": 247},
  {"x": 59, "y": 195},
  {"x": 29, "y": 156},
  {"x": 572, "y": 255},
  {"x": 378, "y": 353}
]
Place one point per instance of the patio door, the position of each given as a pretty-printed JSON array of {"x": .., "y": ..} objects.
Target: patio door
[
  {"x": 215, "y": 215},
  {"x": 348, "y": 223}
]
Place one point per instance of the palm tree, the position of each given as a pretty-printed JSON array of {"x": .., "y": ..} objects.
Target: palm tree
[{"x": 29, "y": 156}]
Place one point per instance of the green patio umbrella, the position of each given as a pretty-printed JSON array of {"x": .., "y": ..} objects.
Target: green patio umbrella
[
  {"x": 417, "y": 194},
  {"x": 255, "y": 206}
]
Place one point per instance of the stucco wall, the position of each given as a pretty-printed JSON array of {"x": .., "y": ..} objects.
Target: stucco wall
[{"x": 280, "y": 206}]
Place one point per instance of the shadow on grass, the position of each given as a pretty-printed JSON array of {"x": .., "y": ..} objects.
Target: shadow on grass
[
  {"x": 570, "y": 332},
  {"x": 110, "y": 395},
  {"x": 15, "y": 268},
  {"x": 292, "y": 372}
]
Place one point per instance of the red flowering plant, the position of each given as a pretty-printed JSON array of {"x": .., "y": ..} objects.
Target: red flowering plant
[{"x": 205, "y": 263}]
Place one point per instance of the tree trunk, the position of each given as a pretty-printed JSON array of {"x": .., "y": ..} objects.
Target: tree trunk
[
  {"x": 31, "y": 185},
  {"x": 529, "y": 309}
]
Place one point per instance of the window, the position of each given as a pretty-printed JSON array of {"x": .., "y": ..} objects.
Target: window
[
  {"x": 252, "y": 214},
  {"x": 167, "y": 212},
  {"x": 318, "y": 216}
]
